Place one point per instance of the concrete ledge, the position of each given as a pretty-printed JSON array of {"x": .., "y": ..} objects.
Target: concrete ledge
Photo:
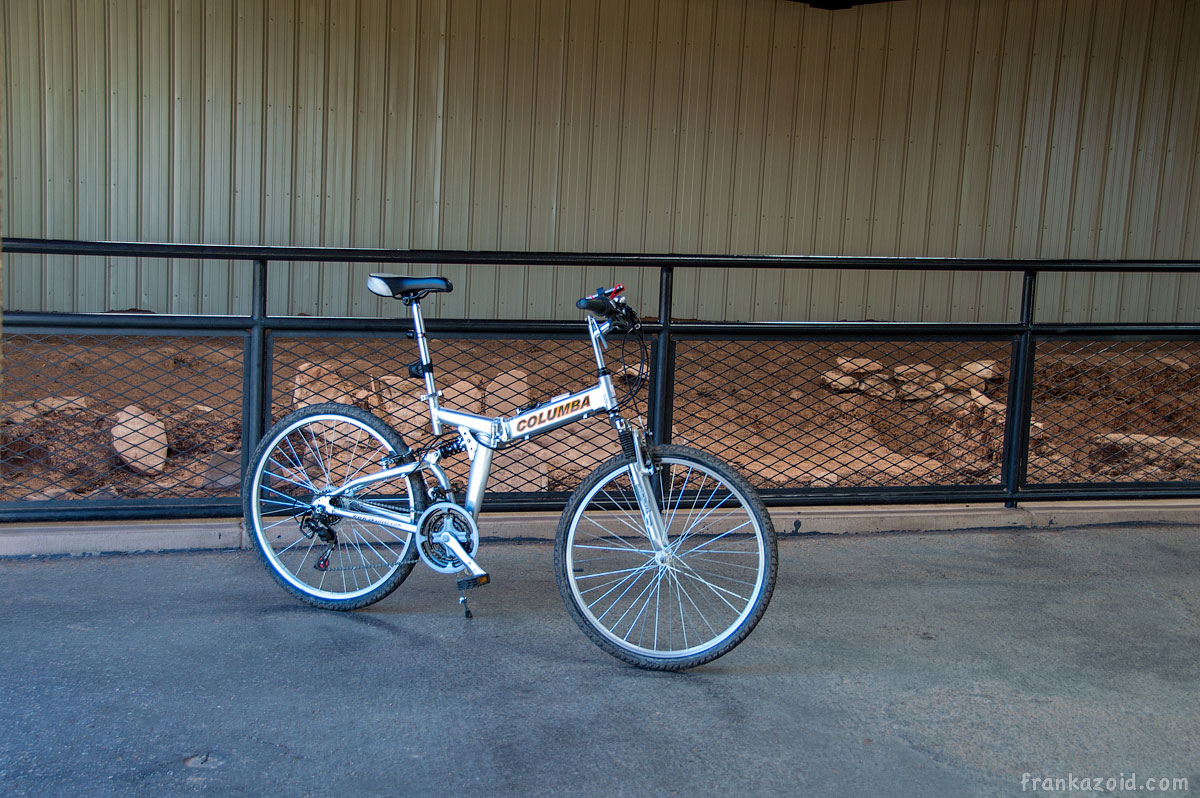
[
  {"x": 49, "y": 539},
  {"x": 516, "y": 526},
  {"x": 962, "y": 517},
  {"x": 1051, "y": 514},
  {"x": 896, "y": 518},
  {"x": 104, "y": 537}
]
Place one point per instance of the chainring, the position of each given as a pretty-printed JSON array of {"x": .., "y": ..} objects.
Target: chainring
[{"x": 445, "y": 517}]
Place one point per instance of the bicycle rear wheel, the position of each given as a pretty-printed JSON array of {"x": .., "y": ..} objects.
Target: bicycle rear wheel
[
  {"x": 686, "y": 606},
  {"x": 328, "y": 561}
]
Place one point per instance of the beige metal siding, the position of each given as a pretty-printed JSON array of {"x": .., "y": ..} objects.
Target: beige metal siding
[{"x": 996, "y": 128}]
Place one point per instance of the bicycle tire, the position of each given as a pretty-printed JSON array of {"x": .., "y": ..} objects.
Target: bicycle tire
[
  {"x": 311, "y": 450},
  {"x": 698, "y": 604}
]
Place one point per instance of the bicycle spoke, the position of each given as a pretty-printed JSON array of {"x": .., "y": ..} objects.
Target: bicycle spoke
[
  {"x": 311, "y": 542},
  {"x": 683, "y": 591},
  {"x": 682, "y": 620},
  {"x": 288, "y": 547},
  {"x": 631, "y": 579},
  {"x": 299, "y": 467},
  {"x": 667, "y": 500},
  {"x": 717, "y": 590},
  {"x": 627, "y": 549},
  {"x": 638, "y": 620},
  {"x": 727, "y": 565},
  {"x": 614, "y": 584},
  {"x": 341, "y": 555},
  {"x": 354, "y": 527},
  {"x": 612, "y": 535},
  {"x": 614, "y": 573},
  {"x": 624, "y": 508},
  {"x": 286, "y": 519},
  {"x": 382, "y": 543},
  {"x": 695, "y": 549},
  {"x": 653, "y": 585},
  {"x": 692, "y": 526},
  {"x": 284, "y": 478}
]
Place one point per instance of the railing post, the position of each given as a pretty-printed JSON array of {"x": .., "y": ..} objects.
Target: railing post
[
  {"x": 1019, "y": 412},
  {"x": 254, "y": 384},
  {"x": 662, "y": 388}
]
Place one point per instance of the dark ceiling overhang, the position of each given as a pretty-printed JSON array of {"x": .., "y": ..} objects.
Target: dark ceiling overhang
[{"x": 837, "y": 5}]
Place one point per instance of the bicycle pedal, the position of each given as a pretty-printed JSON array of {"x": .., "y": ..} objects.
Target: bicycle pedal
[{"x": 468, "y": 582}]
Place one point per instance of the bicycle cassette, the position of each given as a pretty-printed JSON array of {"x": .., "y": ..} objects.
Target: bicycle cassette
[{"x": 440, "y": 518}]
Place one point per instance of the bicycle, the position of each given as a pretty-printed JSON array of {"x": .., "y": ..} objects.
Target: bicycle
[{"x": 664, "y": 556}]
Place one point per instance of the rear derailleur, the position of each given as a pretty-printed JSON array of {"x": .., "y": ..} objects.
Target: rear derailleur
[{"x": 322, "y": 527}]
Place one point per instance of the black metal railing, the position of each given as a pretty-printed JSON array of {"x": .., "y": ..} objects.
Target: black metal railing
[{"x": 144, "y": 415}]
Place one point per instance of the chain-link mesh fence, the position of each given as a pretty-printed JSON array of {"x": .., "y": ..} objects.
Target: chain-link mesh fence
[
  {"x": 1116, "y": 411},
  {"x": 120, "y": 417},
  {"x": 147, "y": 417},
  {"x": 818, "y": 414}
]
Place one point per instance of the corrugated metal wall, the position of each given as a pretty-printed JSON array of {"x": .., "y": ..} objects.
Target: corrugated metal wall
[{"x": 920, "y": 127}]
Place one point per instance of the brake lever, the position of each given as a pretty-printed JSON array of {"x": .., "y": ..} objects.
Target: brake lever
[{"x": 624, "y": 320}]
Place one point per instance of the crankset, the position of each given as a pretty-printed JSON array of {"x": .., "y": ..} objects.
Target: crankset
[{"x": 437, "y": 525}]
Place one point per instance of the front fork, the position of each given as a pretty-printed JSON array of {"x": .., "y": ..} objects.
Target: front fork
[{"x": 640, "y": 472}]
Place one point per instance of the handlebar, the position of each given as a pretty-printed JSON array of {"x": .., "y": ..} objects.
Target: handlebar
[
  {"x": 607, "y": 304},
  {"x": 601, "y": 302}
]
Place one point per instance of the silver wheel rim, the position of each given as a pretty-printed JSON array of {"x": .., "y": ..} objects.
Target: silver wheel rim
[
  {"x": 311, "y": 455},
  {"x": 667, "y": 608}
]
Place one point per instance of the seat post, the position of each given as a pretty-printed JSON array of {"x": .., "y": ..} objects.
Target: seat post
[{"x": 431, "y": 393}]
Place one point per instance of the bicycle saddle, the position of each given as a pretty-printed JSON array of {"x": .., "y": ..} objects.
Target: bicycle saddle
[{"x": 398, "y": 286}]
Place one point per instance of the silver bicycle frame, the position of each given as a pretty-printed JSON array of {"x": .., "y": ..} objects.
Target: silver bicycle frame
[{"x": 483, "y": 435}]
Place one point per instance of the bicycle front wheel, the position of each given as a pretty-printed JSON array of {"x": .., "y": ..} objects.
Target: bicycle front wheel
[
  {"x": 672, "y": 609},
  {"x": 322, "y": 559}
]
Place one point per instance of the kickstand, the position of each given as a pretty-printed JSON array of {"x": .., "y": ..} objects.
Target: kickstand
[{"x": 462, "y": 599}]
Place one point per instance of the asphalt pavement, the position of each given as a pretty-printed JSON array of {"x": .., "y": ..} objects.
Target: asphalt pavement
[{"x": 949, "y": 664}]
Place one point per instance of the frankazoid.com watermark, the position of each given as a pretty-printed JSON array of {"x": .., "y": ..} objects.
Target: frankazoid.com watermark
[{"x": 1100, "y": 784}]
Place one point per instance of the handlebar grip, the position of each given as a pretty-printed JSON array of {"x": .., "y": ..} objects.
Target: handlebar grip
[{"x": 598, "y": 305}]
